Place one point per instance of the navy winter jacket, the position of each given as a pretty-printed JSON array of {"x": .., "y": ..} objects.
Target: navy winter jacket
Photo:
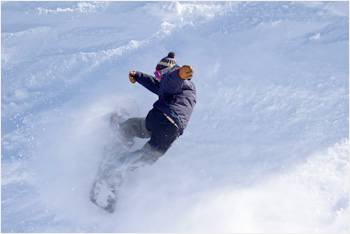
[{"x": 177, "y": 97}]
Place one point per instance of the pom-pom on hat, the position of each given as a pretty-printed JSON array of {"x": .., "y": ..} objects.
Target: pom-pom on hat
[{"x": 167, "y": 61}]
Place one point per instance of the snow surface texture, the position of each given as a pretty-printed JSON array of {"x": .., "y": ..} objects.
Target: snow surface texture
[{"x": 266, "y": 150}]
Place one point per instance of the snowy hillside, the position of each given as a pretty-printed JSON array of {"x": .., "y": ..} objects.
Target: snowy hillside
[{"x": 266, "y": 150}]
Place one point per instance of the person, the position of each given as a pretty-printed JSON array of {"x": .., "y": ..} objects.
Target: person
[
  {"x": 170, "y": 114},
  {"x": 164, "y": 123}
]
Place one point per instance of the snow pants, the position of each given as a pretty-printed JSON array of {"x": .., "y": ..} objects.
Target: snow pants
[{"x": 158, "y": 128}]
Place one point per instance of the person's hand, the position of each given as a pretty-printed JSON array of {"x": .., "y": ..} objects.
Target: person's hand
[
  {"x": 186, "y": 72},
  {"x": 132, "y": 76}
]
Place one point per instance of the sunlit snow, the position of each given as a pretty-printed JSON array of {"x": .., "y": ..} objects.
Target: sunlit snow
[{"x": 266, "y": 149}]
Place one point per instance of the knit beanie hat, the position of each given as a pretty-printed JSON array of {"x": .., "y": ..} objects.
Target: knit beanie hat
[{"x": 166, "y": 61}]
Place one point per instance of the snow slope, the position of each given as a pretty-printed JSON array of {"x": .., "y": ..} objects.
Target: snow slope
[{"x": 266, "y": 150}]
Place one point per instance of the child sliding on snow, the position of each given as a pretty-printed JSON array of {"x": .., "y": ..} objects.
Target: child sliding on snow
[
  {"x": 170, "y": 114},
  {"x": 163, "y": 125}
]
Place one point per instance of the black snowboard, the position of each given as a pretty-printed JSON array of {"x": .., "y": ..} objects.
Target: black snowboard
[{"x": 104, "y": 191}]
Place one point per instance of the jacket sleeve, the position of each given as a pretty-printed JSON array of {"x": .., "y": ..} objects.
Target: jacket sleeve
[
  {"x": 171, "y": 83},
  {"x": 147, "y": 81}
]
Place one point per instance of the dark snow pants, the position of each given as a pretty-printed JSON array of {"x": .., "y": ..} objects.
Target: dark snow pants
[{"x": 155, "y": 126}]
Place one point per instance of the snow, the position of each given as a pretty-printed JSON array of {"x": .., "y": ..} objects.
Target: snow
[{"x": 267, "y": 147}]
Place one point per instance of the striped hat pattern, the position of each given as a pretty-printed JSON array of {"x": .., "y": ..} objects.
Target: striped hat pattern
[{"x": 166, "y": 61}]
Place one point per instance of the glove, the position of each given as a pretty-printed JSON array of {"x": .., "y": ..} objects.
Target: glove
[
  {"x": 186, "y": 72},
  {"x": 132, "y": 76}
]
